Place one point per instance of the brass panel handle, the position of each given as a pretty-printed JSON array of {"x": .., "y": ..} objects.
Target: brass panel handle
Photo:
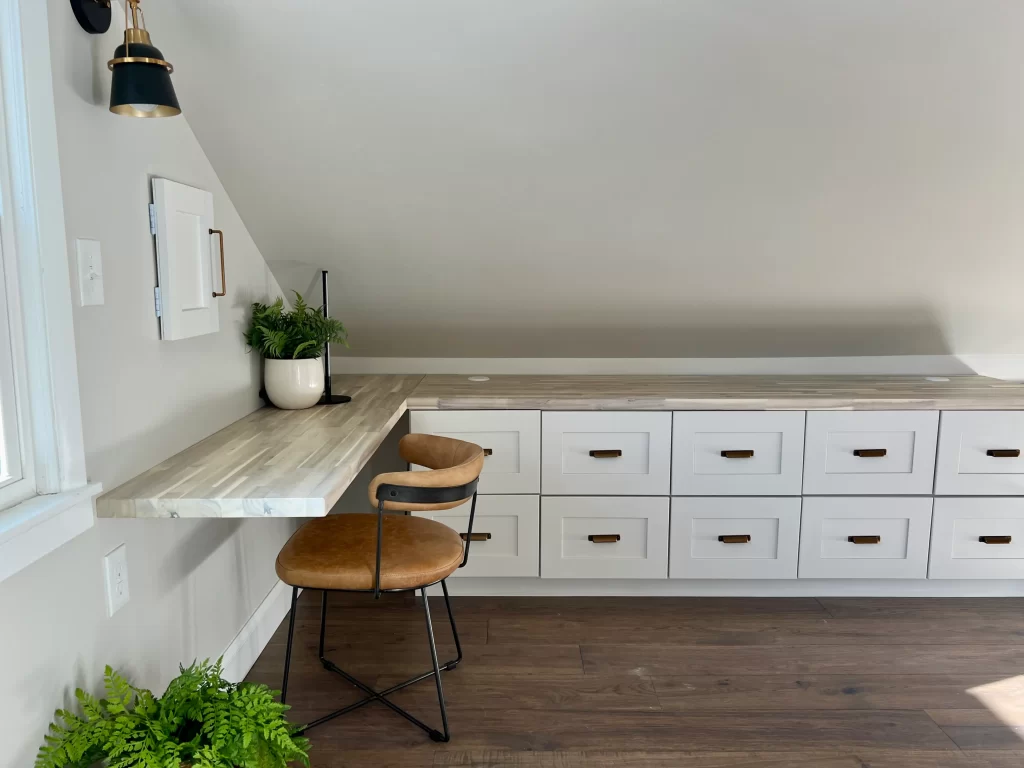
[
  {"x": 488, "y": 452},
  {"x": 738, "y": 454},
  {"x": 1003, "y": 453},
  {"x": 864, "y": 539},
  {"x": 604, "y": 538},
  {"x": 609, "y": 454},
  {"x": 995, "y": 539},
  {"x": 742, "y": 538},
  {"x": 223, "y": 277},
  {"x": 476, "y": 537},
  {"x": 870, "y": 453}
]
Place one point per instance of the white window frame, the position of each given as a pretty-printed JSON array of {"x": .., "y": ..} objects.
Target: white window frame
[{"x": 53, "y": 501}]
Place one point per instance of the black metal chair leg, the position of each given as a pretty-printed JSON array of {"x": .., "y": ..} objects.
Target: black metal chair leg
[
  {"x": 323, "y": 623},
  {"x": 288, "y": 651},
  {"x": 455, "y": 633},
  {"x": 446, "y": 736}
]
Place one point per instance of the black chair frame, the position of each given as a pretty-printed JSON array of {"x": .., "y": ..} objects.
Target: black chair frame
[{"x": 400, "y": 494}]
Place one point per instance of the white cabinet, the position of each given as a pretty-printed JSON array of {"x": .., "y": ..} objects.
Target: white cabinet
[
  {"x": 733, "y": 538},
  {"x": 506, "y": 535},
  {"x": 604, "y": 538},
  {"x": 511, "y": 440},
  {"x": 981, "y": 453},
  {"x": 609, "y": 453},
  {"x": 864, "y": 538},
  {"x": 977, "y": 539},
  {"x": 870, "y": 452},
  {"x": 189, "y": 281},
  {"x": 737, "y": 454}
]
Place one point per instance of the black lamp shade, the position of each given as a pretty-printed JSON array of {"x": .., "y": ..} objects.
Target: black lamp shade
[{"x": 142, "y": 89}]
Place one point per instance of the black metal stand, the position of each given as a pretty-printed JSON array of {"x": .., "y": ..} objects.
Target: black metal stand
[
  {"x": 329, "y": 398},
  {"x": 372, "y": 694}
]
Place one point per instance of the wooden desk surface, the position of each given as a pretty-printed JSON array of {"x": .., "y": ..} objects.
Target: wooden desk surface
[
  {"x": 716, "y": 393},
  {"x": 272, "y": 463},
  {"x": 278, "y": 463}
]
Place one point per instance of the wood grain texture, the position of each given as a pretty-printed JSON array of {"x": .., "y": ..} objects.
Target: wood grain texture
[
  {"x": 272, "y": 463},
  {"x": 520, "y": 699},
  {"x": 716, "y": 393}
]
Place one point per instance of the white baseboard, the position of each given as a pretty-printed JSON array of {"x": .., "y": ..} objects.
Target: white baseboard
[
  {"x": 249, "y": 643},
  {"x": 998, "y": 366},
  {"x": 732, "y": 587}
]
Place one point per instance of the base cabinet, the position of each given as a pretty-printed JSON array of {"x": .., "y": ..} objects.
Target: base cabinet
[{"x": 748, "y": 496}]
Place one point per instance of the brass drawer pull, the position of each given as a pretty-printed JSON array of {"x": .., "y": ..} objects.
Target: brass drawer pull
[
  {"x": 742, "y": 538},
  {"x": 609, "y": 454},
  {"x": 223, "y": 277},
  {"x": 488, "y": 452},
  {"x": 476, "y": 537},
  {"x": 738, "y": 454},
  {"x": 995, "y": 539},
  {"x": 604, "y": 538},
  {"x": 1003, "y": 453},
  {"x": 870, "y": 453},
  {"x": 864, "y": 539}
]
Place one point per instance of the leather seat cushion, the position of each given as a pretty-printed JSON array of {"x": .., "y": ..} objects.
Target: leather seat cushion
[{"x": 340, "y": 552}]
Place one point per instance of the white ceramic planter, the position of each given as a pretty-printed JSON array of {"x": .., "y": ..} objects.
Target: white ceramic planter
[{"x": 294, "y": 384}]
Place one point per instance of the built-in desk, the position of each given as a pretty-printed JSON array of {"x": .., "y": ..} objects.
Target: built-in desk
[{"x": 272, "y": 463}]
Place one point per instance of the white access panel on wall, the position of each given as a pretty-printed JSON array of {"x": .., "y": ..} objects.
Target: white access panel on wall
[{"x": 182, "y": 219}]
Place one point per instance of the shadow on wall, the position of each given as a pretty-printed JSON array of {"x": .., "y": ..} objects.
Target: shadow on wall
[{"x": 749, "y": 332}]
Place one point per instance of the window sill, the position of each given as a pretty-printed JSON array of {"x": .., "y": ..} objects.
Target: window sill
[{"x": 33, "y": 529}]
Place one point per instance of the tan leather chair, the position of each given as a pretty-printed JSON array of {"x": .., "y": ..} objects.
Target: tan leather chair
[{"x": 390, "y": 553}]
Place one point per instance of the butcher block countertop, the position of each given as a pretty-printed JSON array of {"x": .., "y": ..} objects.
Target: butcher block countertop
[
  {"x": 278, "y": 463},
  {"x": 717, "y": 393}
]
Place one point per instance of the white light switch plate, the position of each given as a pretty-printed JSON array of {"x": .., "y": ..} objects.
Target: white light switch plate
[
  {"x": 115, "y": 567},
  {"x": 90, "y": 272}
]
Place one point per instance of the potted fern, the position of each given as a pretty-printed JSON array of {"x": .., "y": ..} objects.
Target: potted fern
[
  {"x": 292, "y": 343},
  {"x": 201, "y": 721}
]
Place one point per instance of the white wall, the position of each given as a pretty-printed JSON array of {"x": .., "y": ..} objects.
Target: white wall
[
  {"x": 193, "y": 583},
  {"x": 628, "y": 178}
]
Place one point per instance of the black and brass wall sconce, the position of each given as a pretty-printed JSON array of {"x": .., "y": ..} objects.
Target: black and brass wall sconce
[{"x": 141, "y": 82}]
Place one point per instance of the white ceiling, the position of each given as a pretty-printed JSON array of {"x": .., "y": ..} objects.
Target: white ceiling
[{"x": 626, "y": 177}]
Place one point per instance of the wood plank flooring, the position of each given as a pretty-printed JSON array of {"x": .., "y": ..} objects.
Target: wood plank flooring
[{"x": 666, "y": 682}]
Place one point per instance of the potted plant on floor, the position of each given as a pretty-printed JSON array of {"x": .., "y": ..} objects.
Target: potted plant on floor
[
  {"x": 201, "y": 721},
  {"x": 292, "y": 343}
]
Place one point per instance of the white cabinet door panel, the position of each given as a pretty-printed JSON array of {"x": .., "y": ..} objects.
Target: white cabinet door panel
[
  {"x": 510, "y": 438},
  {"x": 749, "y": 453},
  {"x": 981, "y": 453},
  {"x": 734, "y": 538},
  {"x": 604, "y": 538},
  {"x": 977, "y": 539},
  {"x": 185, "y": 256},
  {"x": 621, "y": 453},
  {"x": 870, "y": 452}
]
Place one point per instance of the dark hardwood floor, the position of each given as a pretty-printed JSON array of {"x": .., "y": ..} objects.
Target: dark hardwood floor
[{"x": 665, "y": 682}]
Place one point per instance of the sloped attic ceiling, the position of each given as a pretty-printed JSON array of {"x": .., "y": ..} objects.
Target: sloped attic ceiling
[{"x": 625, "y": 177}]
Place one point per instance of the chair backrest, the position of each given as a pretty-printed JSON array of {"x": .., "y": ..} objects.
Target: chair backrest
[{"x": 454, "y": 468}]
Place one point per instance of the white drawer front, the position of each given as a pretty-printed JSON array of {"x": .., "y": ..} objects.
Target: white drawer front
[
  {"x": 743, "y": 453},
  {"x": 750, "y": 538},
  {"x": 900, "y": 525},
  {"x": 870, "y": 452},
  {"x": 606, "y": 453},
  {"x": 977, "y": 539},
  {"x": 572, "y": 529},
  {"x": 511, "y": 437},
  {"x": 513, "y": 545},
  {"x": 967, "y": 442}
]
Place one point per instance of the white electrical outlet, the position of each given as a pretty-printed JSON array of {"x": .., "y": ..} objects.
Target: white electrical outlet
[{"x": 115, "y": 566}]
